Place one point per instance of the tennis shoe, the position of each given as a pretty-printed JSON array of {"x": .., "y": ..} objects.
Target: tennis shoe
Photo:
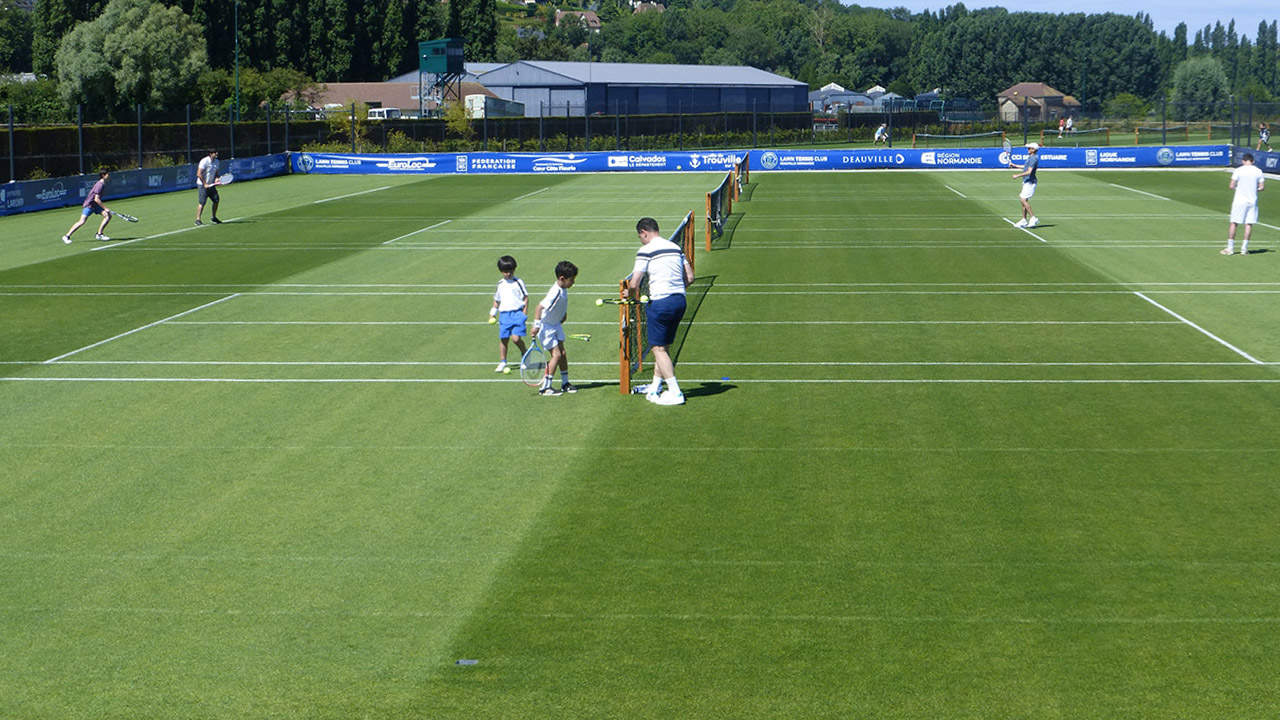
[
  {"x": 1225, "y": 251},
  {"x": 198, "y": 223},
  {"x": 667, "y": 398},
  {"x": 101, "y": 237},
  {"x": 216, "y": 221},
  {"x": 569, "y": 388},
  {"x": 1021, "y": 223},
  {"x": 1033, "y": 222},
  {"x": 640, "y": 390},
  {"x": 66, "y": 239},
  {"x": 549, "y": 392},
  {"x": 502, "y": 366}
]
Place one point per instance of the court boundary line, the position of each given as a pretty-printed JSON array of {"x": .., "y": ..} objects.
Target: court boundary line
[
  {"x": 415, "y": 232},
  {"x": 1142, "y": 192},
  {"x": 1015, "y": 225},
  {"x": 351, "y": 195},
  {"x": 139, "y": 329},
  {"x": 1217, "y": 339}
]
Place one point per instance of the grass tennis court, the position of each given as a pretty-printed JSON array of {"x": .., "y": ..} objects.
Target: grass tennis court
[{"x": 931, "y": 465}]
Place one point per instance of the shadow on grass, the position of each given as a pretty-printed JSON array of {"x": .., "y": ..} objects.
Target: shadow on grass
[
  {"x": 695, "y": 294},
  {"x": 709, "y": 388}
]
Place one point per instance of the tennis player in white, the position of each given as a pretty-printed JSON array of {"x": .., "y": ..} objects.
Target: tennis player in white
[
  {"x": 548, "y": 325},
  {"x": 1246, "y": 180},
  {"x": 669, "y": 273}
]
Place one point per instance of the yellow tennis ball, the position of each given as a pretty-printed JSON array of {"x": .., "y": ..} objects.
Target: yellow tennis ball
[
  {"x": 493, "y": 320},
  {"x": 506, "y": 371},
  {"x": 644, "y": 298},
  {"x": 599, "y": 301}
]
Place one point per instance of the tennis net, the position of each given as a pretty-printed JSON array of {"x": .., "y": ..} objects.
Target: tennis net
[
  {"x": 984, "y": 139},
  {"x": 633, "y": 337},
  {"x": 720, "y": 206},
  {"x": 1091, "y": 137},
  {"x": 1159, "y": 134}
]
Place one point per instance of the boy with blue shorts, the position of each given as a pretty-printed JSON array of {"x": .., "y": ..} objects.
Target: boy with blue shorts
[
  {"x": 93, "y": 206},
  {"x": 548, "y": 325},
  {"x": 669, "y": 274},
  {"x": 510, "y": 303}
]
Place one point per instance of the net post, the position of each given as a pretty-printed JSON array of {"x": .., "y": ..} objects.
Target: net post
[
  {"x": 624, "y": 349},
  {"x": 686, "y": 239}
]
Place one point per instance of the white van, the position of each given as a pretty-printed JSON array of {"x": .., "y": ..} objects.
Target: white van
[{"x": 384, "y": 113}]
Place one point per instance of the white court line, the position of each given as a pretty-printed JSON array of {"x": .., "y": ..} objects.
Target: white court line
[
  {"x": 956, "y": 191},
  {"x": 614, "y": 381},
  {"x": 139, "y": 329},
  {"x": 699, "y": 323},
  {"x": 1141, "y": 192},
  {"x": 611, "y": 363},
  {"x": 1273, "y": 227},
  {"x": 1015, "y": 225},
  {"x": 1224, "y": 343},
  {"x": 342, "y": 197},
  {"x": 535, "y": 192},
  {"x": 152, "y": 237},
  {"x": 415, "y": 232}
]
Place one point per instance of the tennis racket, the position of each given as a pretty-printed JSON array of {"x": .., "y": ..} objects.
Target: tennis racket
[
  {"x": 225, "y": 179},
  {"x": 1008, "y": 151},
  {"x": 533, "y": 366},
  {"x": 584, "y": 337},
  {"x": 124, "y": 216}
]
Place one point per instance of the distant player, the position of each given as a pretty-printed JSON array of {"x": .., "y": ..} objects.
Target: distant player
[
  {"x": 1264, "y": 136},
  {"x": 882, "y": 134},
  {"x": 207, "y": 185},
  {"x": 669, "y": 274},
  {"x": 1028, "y": 175},
  {"x": 510, "y": 304},
  {"x": 1246, "y": 180},
  {"x": 93, "y": 206},
  {"x": 1071, "y": 124},
  {"x": 548, "y": 325},
  {"x": 1062, "y": 127}
]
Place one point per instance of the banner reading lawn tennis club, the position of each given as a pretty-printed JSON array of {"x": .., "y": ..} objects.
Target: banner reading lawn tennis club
[{"x": 708, "y": 161}]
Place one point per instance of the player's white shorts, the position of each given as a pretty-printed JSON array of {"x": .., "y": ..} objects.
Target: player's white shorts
[
  {"x": 551, "y": 336},
  {"x": 1244, "y": 213},
  {"x": 1029, "y": 189}
]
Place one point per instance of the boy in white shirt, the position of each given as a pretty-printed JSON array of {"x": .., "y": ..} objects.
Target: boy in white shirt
[
  {"x": 548, "y": 325},
  {"x": 510, "y": 305},
  {"x": 1246, "y": 180}
]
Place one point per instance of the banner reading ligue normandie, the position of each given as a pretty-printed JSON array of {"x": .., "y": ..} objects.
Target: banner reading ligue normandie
[{"x": 721, "y": 160}]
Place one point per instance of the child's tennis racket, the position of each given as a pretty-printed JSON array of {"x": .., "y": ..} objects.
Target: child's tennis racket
[
  {"x": 584, "y": 337},
  {"x": 620, "y": 301},
  {"x": 124, "y": 216},
  {"x": 533, "y": 366}
]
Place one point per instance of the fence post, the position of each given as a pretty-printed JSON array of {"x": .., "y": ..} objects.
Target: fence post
[
  {"x": 889, "y": 126},
  {"x": 1248, "y": 132},
  {"x": 231, "y": 128},
  {"x": 1164, "y": 121},
  {"x": 542, "y": 136},
  {"x": 753, "y": 122},
  {"x": 568, "y": 136},
  {"x": 287, "y": 111},
  {"x": 484, "y": 123},
  {"x": 139, "y": 109},
  {"x": 353, "y": 127},
  {"x": 617, "y": 127},
  {"x": 268, "y": 128},
  {"x": 1026, "y": 118},
  {"x": 188, "y": 133},
  {"x": 80, "y": 135},
  {"x": 12, "y": 169},
  {"x": 679, "y": 125}
]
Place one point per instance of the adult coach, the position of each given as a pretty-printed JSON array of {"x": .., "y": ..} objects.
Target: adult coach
[
  {"x": 1028, "y": 175},
  {"x": 669, "y": 273},
  {"x": 207, "y": 186},
  {"x": 93, "y": 206},
  {"x": 1246, "y": 180}
]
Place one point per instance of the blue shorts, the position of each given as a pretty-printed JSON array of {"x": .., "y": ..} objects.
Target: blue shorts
[
  {"x": 91, "y": 210},
  {"x": 664, "y": 316},
  {"x": 511, "y": 322}
]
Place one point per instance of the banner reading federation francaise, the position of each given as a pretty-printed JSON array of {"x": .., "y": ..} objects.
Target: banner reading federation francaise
[{"x": 722, "y": 160}]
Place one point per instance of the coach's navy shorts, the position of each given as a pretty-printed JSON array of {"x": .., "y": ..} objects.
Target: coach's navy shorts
[{"x": 664, "y": 316}]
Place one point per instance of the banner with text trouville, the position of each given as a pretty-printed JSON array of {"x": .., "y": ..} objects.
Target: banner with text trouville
[{"x": 722, "y": 160}]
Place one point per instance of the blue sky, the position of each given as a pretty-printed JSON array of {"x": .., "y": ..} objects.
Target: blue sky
[{"x": 1165, "y": 15}]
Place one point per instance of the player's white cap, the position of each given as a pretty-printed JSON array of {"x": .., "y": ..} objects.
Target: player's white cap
[{"x": 1033, "y": 146}]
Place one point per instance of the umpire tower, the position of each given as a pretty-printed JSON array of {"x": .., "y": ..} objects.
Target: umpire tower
[{"x": 440, "y": 70}]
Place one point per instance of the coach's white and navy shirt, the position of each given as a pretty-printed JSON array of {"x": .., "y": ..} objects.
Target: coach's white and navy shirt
[
  {"x": 555, "y": 306},
  {"x": 664, "y": 262},
  {"x": 206, "y": 170},
  {"x": 511, "y": 294}
]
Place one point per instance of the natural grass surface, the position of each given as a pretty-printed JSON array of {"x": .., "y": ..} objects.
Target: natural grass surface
[{"x": 931, "y": 465}]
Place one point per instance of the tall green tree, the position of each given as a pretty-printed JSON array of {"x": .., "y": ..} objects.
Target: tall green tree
[
  {"x": 1200, "y": 89},
  {"x": 135, "y": 52},
  {"x": 15, "y": 38}
]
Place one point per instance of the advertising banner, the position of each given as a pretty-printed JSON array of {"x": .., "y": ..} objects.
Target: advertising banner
[
  {"x": 30, "y": 195},
  {"x": 704, "y": 161}
]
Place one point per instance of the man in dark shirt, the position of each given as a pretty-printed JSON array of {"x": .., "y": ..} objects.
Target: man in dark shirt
[
  {"x": 1028, "y": 175},
  {"x": 93, "y": 206}
]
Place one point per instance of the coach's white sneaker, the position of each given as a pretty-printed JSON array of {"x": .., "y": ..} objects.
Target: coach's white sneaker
[
  {"x": 101, "y": 237},
  {"x": 1225, "y": 251},
  {"x": 1034, "y": 221},
  {"x": 66, "y": 239},
  {"x": 1021, "y": 223},
  {"x": 502, "y": 367},
  {"x": 667, "y": 398}
]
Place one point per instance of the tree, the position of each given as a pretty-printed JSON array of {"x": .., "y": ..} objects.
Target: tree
[
  {"x": 1200, "y": 89},
  {"x": 1126, "y": 106},
  {"x": 136, "y": 51},
  {"x": 15, "y": 38}
]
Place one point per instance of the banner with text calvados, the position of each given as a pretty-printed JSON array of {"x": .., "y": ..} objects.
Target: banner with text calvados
[
  {"x": 30, "y": 195},
  {"x": 719, "y": 161}
]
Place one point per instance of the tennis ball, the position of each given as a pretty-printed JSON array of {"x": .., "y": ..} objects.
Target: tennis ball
[
  {"x": 506, "y": 371},
  {"x": 599, "y": 301},
  {"x": 493, "y": 320},
  {"x": 644, "y": 298}
]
